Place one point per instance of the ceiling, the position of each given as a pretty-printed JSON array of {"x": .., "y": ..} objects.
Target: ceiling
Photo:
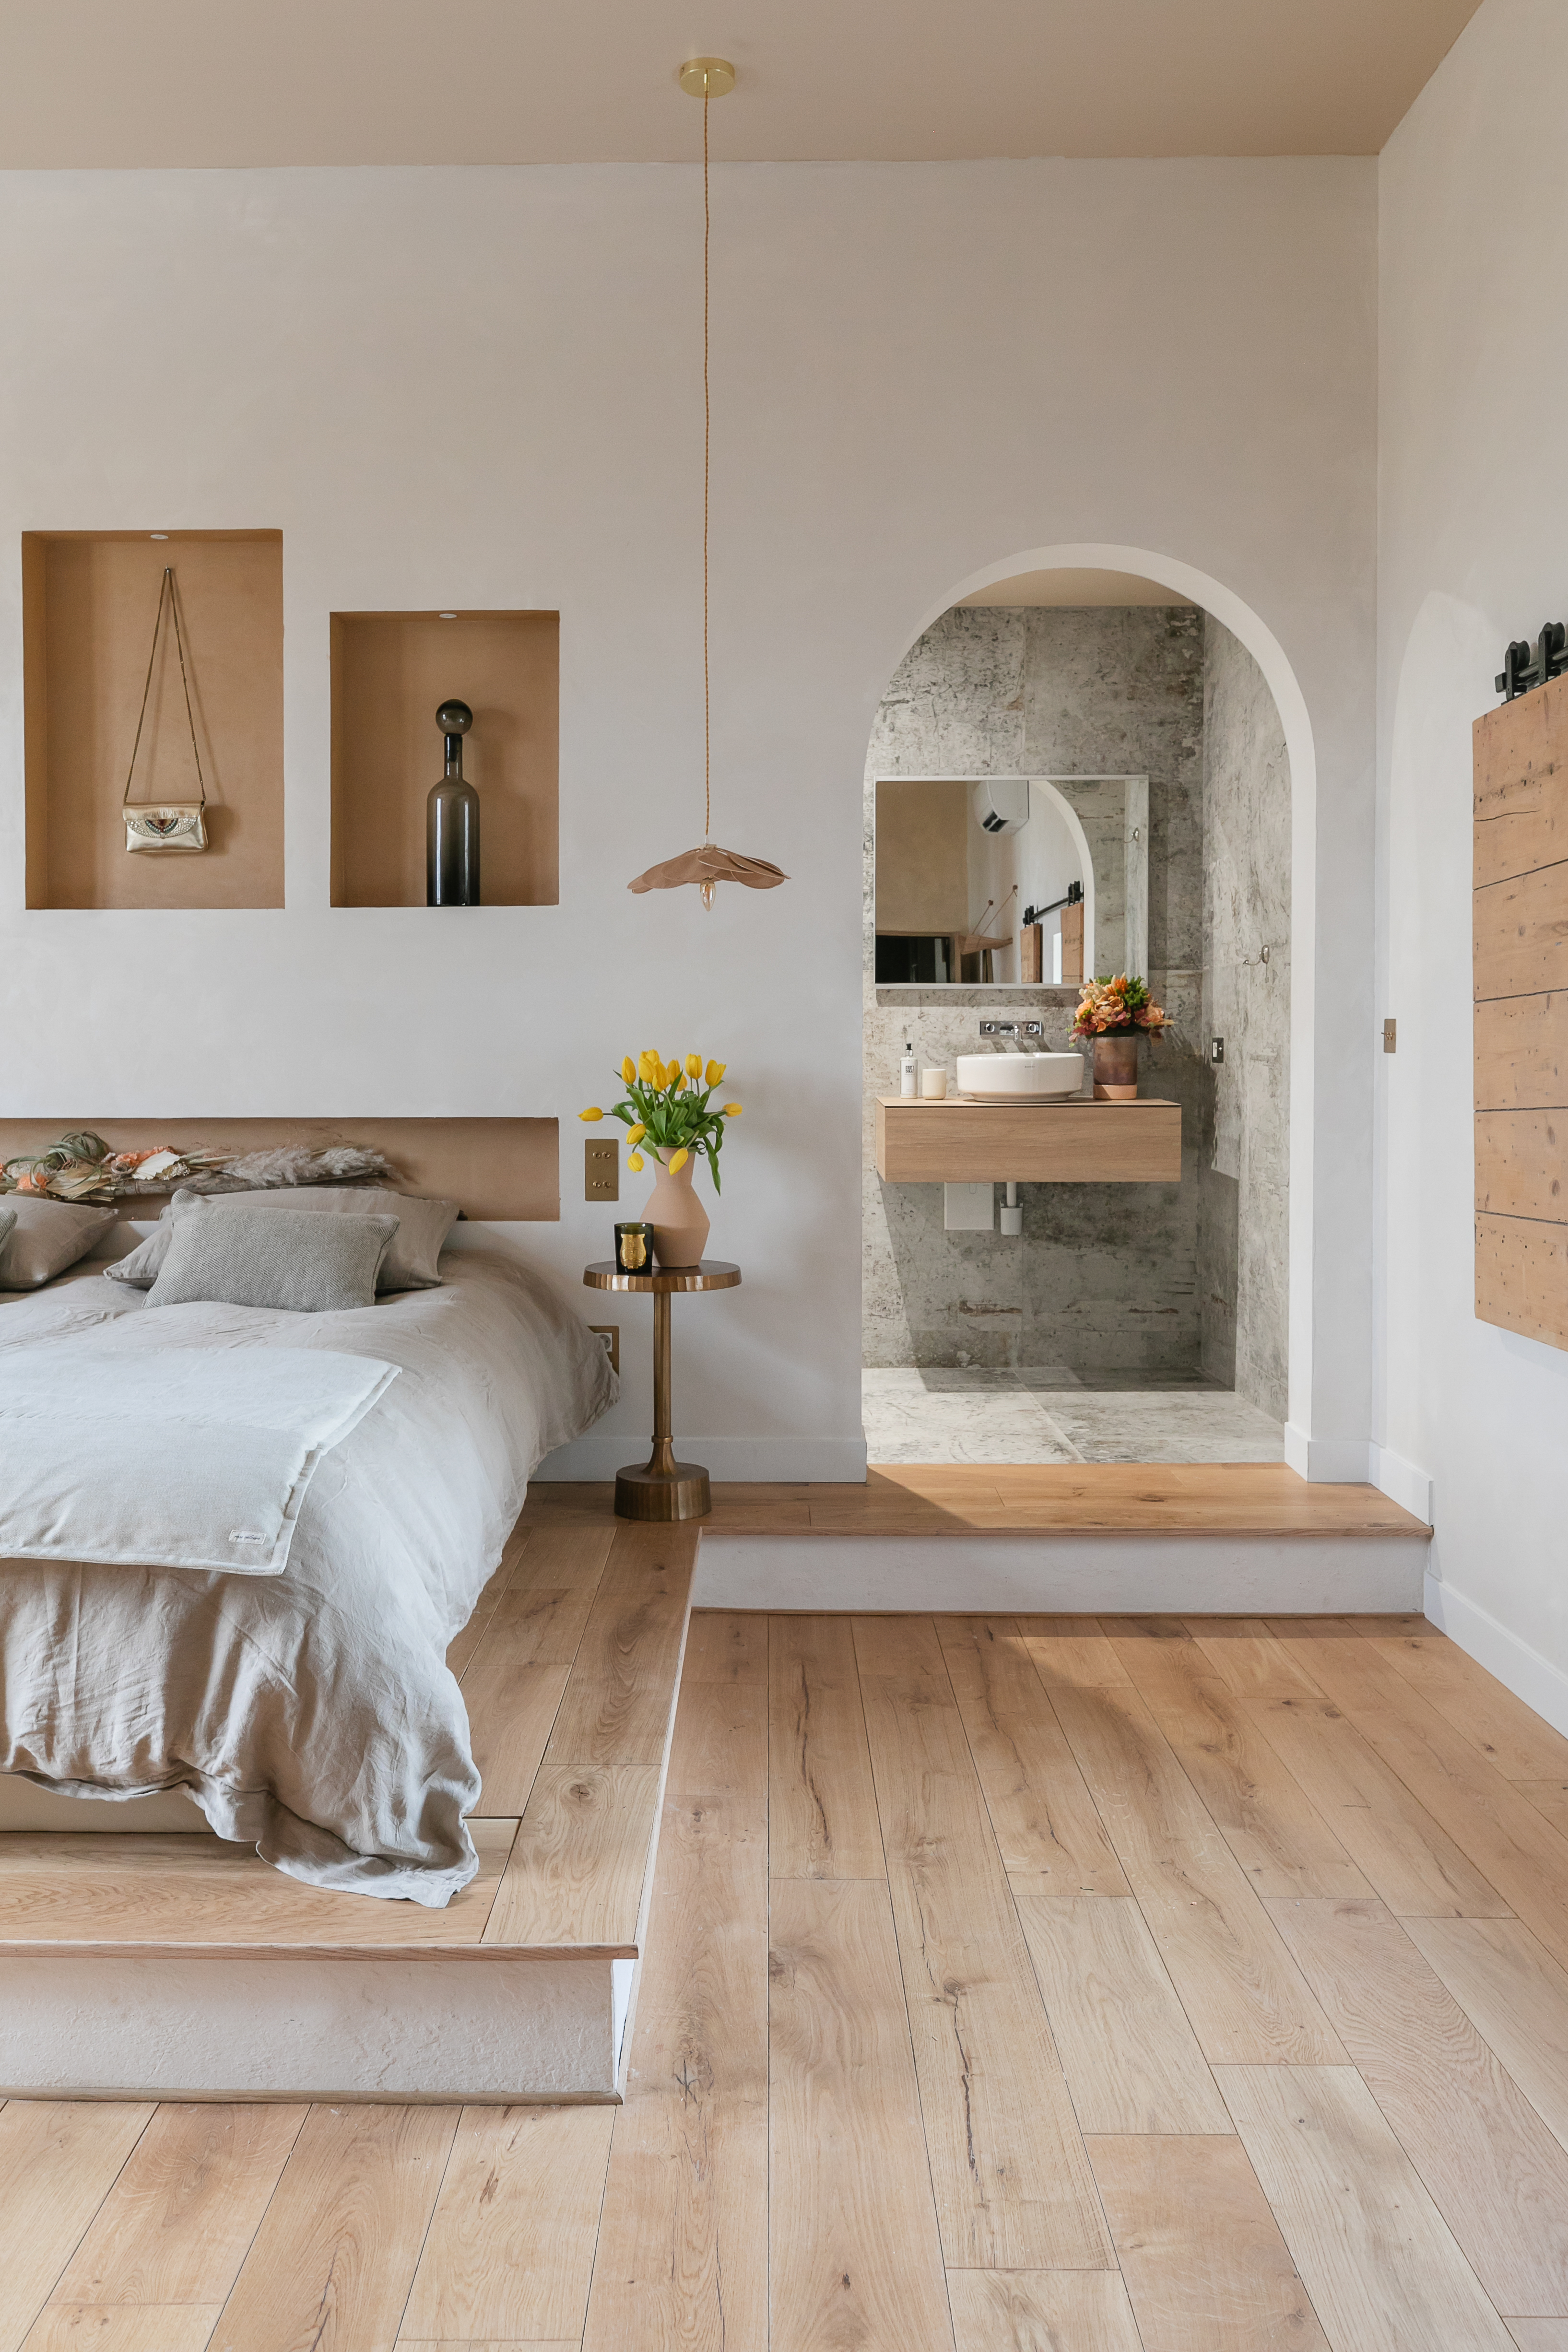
[
  {"x": 149, "y": 82},
  {"x": 1076, "y": 588}
]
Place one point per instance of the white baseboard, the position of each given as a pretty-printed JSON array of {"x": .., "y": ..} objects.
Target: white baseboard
[
  {"x": 1530, "y": 1676},
  {"x": 1401, "y": 1482},
  {"x": 786, "y": 1461},
  {"x": 1327, "y": 1461},
  {"x": 1239, "y": 1575}
]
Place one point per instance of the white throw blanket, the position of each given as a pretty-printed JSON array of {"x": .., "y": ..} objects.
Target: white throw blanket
[{"x": 185, "y": 1458}]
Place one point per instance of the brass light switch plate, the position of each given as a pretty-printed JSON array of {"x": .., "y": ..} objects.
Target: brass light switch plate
[
  {"x": 610, "y": 1333},
  {"x": 601, "y": 1171}
]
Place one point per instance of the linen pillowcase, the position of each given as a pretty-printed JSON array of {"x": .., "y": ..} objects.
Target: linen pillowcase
[
  {"x": 46, "y": 1237},
  {"x": 410, "y": 1264},
  {"x": 311, "y": 1265}
]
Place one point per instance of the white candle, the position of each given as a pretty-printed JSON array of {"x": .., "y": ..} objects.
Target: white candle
[{"x": 934, "y": 1084}]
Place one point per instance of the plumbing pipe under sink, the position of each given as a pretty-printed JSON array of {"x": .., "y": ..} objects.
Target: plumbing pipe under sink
[{"x": 1012, "y": 1218}]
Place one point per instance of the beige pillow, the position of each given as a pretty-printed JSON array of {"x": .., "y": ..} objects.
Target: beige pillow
[
  {"x": 311, "y": 1265},
  {"x": 409, "y": 1264},
  {"x": 47, "y": 1236}
]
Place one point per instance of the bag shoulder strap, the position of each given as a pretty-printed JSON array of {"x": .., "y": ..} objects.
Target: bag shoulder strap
[{"x": 165, "y": 589}]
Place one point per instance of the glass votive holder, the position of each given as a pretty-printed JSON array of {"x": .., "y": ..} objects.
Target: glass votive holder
[
  {"x": 934, "y": 1086},
  {"x": 633, "y": 1248}
]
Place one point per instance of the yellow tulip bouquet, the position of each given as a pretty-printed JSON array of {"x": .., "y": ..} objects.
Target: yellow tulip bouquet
[{"x": 669, "y": 1106}]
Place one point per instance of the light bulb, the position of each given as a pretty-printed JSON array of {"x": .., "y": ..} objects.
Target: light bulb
[{"x": 705, "y": 890}]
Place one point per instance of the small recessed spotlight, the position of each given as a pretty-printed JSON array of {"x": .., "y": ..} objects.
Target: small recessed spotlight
[
  {"x": 157, "y": 534},
  {"x": 446, "y": 616}
]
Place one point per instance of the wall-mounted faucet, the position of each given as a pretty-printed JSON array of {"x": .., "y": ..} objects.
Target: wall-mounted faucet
[{"x": 1011, "y": 1030}]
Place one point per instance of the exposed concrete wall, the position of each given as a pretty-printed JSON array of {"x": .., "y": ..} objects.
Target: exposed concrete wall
[
  {"x": 1104, "y": 1277},
  {"x": 1244, "y": 1182}
]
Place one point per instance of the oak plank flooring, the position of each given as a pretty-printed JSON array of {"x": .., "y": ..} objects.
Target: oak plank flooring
[
  {"x": 1410, "y": 1862},
  {"x": 1042, "y": 1815},
  {"x": 1277, "y": 1834},
  {"x": 188, "y": 1888},
  {"x": 616, "y": 1708},
  {"x": 331, "y": 2267},
  {"x": 510, "y": 2249},
  {"x": 822, "y": 1807},
  {"x": 59, "y": 2159},
  {"x": 1012, "y": 2187},
  {"x": 1514, "y": 1994},
  {"x": 175, "y": 2226},
  {"x": 855, "y": 2256},
  {"x": 122, "y": 2328},
  {"x": 1376, "y": 2257},
  {"x": 1331, "y": 2201},
  {"x": 1509, "y": 1734},
  {"x": 1206, "y": 2265},
  {"x": 576, "y": 1872},
  {"x": 1041, "y": 2311},
  {"x": 1494, "y": 2171},
  {"x": 1244, "y": 1993},
  {"x": 1496, "y": 1829},
  {"x": 683, "y": 2245},
  {"x": 1132, "y": 2058}
]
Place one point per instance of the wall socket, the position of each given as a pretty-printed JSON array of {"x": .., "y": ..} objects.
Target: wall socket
[
  {"x": 601, "y": 1171},
  {"x": 1216, "y": 1050},
  {"x": 609, "y": 1335}
]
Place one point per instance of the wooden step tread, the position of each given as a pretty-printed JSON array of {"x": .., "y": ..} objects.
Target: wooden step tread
[{"x": 570, "y": 1666}]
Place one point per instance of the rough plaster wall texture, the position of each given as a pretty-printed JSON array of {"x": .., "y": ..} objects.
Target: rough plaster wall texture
[
  {"x": 1104, "y": 1276},
  {"x": 1244, "y": 1218},
  {"x": 1474, "y": 357},
  {"x": 1189, "y": 373}
]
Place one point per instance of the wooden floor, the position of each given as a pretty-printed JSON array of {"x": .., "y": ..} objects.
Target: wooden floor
[
  {"x": 1025, "y": 1498},
  {"x": 1013, "y": 1984}
]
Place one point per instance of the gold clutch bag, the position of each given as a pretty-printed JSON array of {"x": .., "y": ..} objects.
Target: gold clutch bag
[
  {"x": 177, "y": 825},
  {"x": 166, "y": 825}
]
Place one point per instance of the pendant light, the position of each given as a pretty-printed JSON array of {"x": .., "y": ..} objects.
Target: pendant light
[{"x": 708, "y": 79}]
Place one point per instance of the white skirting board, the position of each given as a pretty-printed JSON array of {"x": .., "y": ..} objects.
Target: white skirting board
[
  {"x": 748, "y": 1461},
  {"x": 1530, "y": 1676},
  {"x": 176, "y": 2026},
  {"x": 1233, "y": 1575}
]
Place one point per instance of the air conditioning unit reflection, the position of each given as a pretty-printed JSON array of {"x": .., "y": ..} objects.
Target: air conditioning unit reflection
[{"x": 1002, "y": 805}]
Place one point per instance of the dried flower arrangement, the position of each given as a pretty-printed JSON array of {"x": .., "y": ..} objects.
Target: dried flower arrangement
[{"x": 1116, "y": 1008}]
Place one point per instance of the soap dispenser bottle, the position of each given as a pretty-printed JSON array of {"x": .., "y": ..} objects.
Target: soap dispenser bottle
[
  {"x": 907, "y": 1082},
  {"x": 452, "y": 821}
]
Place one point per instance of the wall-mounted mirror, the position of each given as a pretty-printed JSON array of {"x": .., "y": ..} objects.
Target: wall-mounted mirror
[{"x": 1009, "y": 881}]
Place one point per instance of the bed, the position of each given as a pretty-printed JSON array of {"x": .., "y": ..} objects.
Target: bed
[{"x": 309, "y": 1713}]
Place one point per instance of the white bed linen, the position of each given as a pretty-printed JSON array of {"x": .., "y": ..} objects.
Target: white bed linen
[{"x": 312, "y": 1713}]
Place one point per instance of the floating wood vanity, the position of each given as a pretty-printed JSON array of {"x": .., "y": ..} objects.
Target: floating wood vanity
[{"x": 958, "y": 1143}]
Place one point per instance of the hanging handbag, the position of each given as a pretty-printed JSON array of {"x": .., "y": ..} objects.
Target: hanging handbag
[{"x": 165, "y": 824}]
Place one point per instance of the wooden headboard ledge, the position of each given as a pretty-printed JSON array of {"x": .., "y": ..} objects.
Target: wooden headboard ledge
[{"x": 494, "y": 1168}]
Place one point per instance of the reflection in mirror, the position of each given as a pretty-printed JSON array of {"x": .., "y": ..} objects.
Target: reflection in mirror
[{"x": 1003, "y": 881}]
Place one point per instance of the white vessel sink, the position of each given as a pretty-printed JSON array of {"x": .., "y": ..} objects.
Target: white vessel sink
[{"x": 1020, "y": 1077}]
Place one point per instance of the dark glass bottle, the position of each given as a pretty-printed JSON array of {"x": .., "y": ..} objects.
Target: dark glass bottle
[{"x": 452, "y": 821}]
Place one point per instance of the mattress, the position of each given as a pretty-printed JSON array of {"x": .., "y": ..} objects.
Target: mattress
[{"x": 310, "y": 1714}]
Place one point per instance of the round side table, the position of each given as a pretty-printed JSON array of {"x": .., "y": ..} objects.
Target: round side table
[{"x": 661, "y": 1487}]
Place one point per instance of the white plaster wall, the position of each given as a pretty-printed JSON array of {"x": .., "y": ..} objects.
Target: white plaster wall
[
  {"x": 480, "y": 387},
  {"x": 1474, "y": 552}
]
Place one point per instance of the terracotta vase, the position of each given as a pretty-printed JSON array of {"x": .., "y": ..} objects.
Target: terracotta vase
[
  {"x": 678, "y": 1219},
  {"x": 1116, "y": 1068}
]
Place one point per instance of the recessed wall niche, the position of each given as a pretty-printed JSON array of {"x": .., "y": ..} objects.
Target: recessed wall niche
[
  {"x": 89, "y": 600},
  {"x": 391, "y": 672}
]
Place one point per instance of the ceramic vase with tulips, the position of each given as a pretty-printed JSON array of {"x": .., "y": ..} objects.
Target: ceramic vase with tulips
[{"x": 669, "y": 1111}]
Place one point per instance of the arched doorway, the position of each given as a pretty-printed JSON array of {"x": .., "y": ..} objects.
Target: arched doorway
[{"x": 1092, "y": 665}]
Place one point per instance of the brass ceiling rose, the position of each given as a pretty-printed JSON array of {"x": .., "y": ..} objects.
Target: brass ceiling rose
[{"x": 707, "y": 76}]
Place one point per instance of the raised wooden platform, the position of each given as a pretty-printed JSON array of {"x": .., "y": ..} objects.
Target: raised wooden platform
[{"x": 183, "y": 1967}]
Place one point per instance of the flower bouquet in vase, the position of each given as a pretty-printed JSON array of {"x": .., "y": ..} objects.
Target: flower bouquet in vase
[
  {"x": 1114, "y": 1013},
  {"x": 668, "y": 1112}
]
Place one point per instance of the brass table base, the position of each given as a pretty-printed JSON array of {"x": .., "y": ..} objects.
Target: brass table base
[{"x": 646, "y": 1491}]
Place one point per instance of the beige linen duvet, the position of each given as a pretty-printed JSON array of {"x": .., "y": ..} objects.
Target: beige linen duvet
[{"x": 310, "y": 1713}]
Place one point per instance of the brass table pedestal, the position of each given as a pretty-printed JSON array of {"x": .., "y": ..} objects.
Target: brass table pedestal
[{"x": 661, "y": 1487}]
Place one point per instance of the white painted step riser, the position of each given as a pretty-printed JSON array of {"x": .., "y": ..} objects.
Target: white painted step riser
[
  {"x": 1190, "y": 1575},
  {"x": 171, "y": 2027}
]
